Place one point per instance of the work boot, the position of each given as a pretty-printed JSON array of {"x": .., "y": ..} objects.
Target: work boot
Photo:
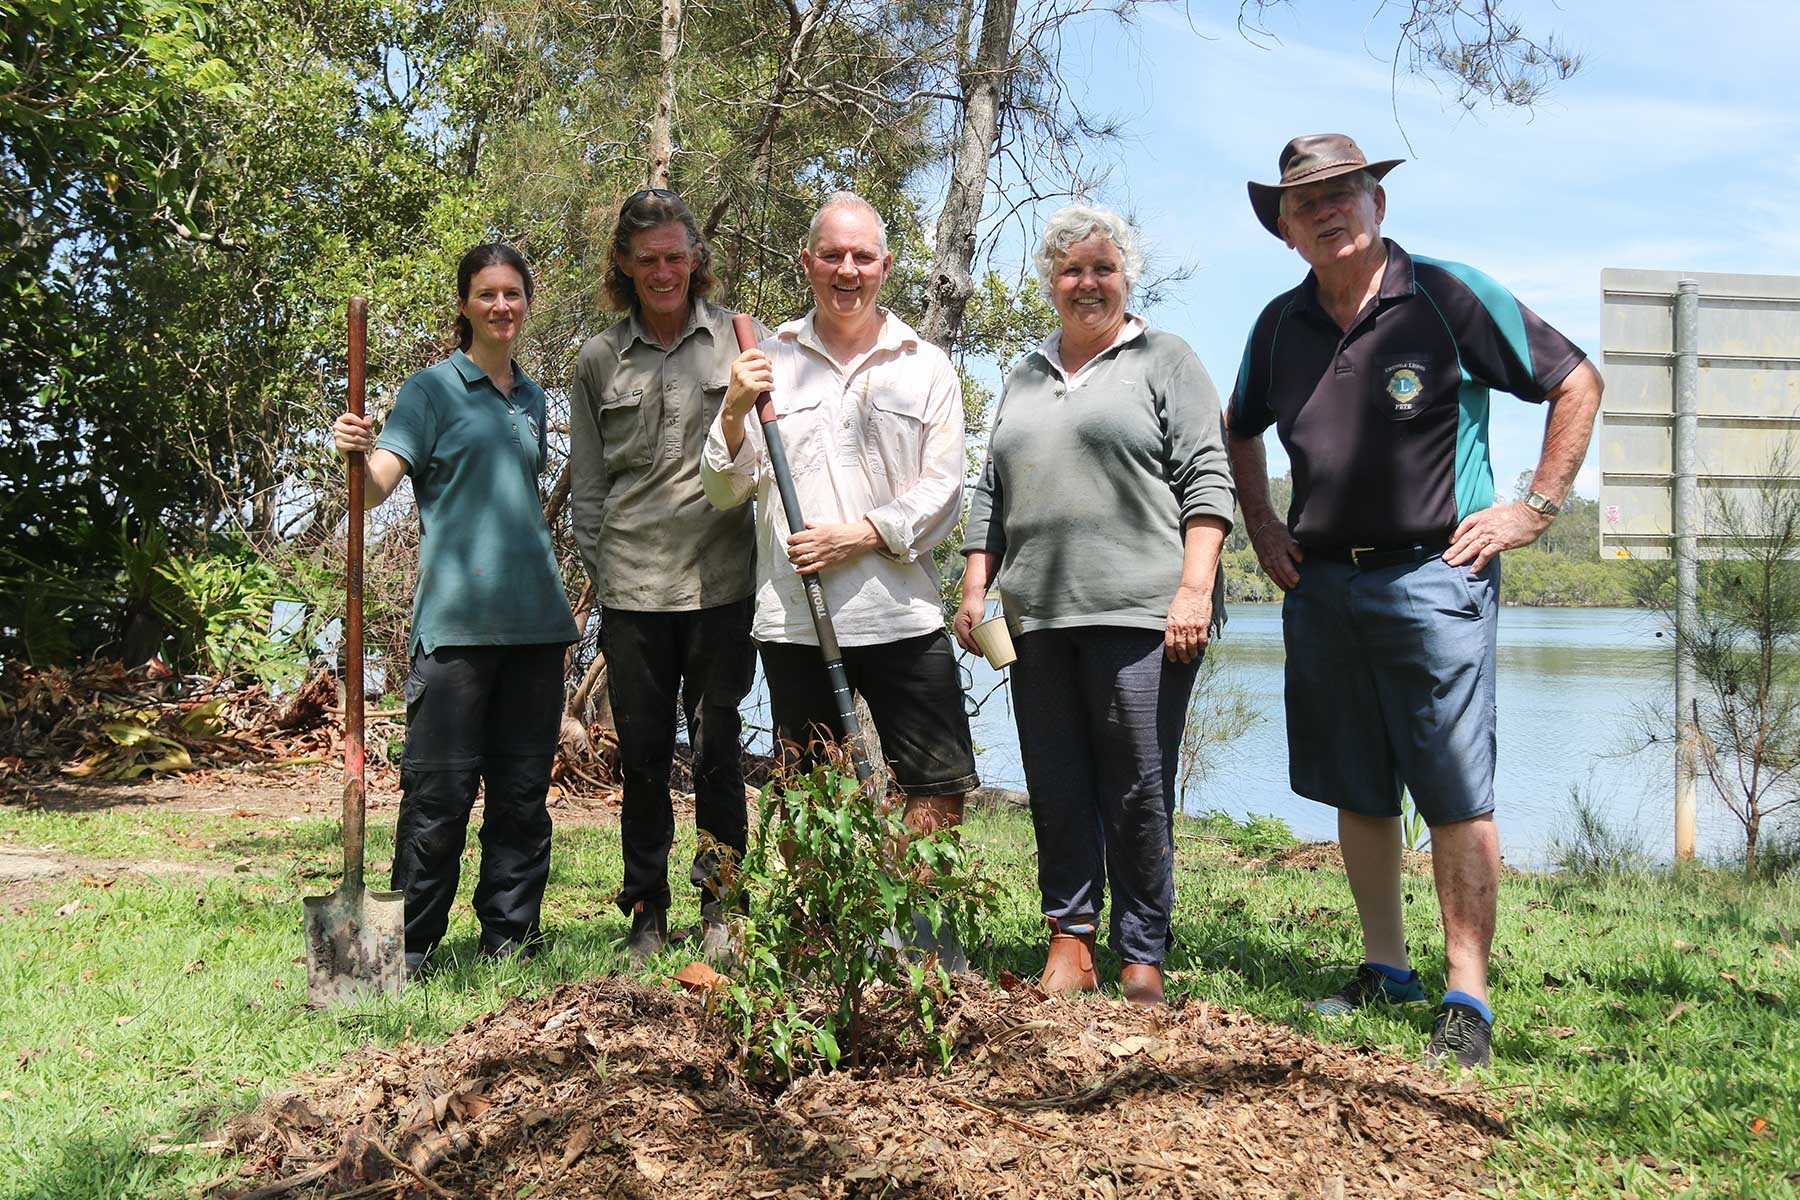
[
  {"x": 649, "y": 933},
  {"x": 921, "y": 943},
  {"x": 717, "y": 948},
  {"x": 1070, "y": 964},
  {"x": 1142, "y": 984}
]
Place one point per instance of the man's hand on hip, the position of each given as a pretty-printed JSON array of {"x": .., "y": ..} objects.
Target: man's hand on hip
[
  {"x": 1483, "y": 535},
  {"x": 823, "y": 544},
  {"x": 1279, "y": 554}
]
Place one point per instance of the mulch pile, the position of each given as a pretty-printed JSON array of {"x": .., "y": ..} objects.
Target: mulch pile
[{"x": 613, "y": 1088}]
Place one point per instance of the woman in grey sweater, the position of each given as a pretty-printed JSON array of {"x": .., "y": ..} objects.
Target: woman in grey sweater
[{"x": 1102, "y": 508}]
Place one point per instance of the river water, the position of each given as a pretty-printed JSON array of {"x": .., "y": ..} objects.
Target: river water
[{"x": 1574, "y": 683}]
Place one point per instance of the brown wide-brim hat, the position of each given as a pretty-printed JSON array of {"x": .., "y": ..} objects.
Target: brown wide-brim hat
[{"x": 1308, "y": 159}]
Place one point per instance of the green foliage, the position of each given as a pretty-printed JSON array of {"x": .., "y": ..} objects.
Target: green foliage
[
  {"x": 1255, "y": 835},
  {"x": 1590, "y": 844},
  {"x": 221, "y": 608},
  {"x": 828, "y": 877},
  {"x": 1414, "y": 833},
  {"x": 1745, "y": 649}
]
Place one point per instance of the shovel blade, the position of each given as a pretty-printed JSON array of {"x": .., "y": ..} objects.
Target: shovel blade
[{"x": 355, "y": 946}]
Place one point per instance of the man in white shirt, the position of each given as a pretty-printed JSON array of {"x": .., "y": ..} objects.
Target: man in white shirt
[{"x": 871, "y": 417}]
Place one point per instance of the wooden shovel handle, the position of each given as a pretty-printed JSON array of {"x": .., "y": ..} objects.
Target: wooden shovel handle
[{"x": 354, "y": 781}]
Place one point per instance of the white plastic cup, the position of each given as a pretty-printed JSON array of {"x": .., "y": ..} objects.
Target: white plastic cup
[{"x": 995, "y": 641}]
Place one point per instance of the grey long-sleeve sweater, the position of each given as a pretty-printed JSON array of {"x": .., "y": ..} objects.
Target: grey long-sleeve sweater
[{"x": 1086, "y": 490}]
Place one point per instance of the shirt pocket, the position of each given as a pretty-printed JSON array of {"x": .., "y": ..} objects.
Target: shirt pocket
[
  {"x": 1405, "y": 385},
  {"x": 894, "y": 430},
  {"x": 623, "y": 432}
]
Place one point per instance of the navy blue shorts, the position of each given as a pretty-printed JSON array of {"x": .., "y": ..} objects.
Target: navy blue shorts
[{"x": 1390, "y": 684}]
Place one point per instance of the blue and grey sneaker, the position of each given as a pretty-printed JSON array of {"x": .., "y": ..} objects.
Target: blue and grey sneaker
[{"x": 1369, "y": 985}]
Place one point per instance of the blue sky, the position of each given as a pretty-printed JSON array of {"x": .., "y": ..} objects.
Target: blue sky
[{"x": 1676, "y": 148}]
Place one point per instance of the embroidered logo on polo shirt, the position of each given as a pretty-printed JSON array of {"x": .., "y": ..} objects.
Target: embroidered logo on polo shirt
[{"x": 1402, "y": 387}]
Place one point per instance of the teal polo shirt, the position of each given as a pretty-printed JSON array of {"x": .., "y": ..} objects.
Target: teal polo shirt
[{"x": 487, "y": 572}]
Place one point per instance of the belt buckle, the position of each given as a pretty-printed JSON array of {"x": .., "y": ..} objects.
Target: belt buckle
[{"x": 1356, "y": 552}]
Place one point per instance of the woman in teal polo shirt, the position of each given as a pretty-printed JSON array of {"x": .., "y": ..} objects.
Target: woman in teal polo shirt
[{"x": 490, "y": 617}]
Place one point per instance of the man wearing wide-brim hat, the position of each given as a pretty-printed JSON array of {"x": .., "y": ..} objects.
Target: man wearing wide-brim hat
[{"x": 1376, "y": 374}]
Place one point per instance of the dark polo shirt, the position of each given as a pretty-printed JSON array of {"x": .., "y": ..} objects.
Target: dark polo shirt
[{"x": 1386, "y": 424}]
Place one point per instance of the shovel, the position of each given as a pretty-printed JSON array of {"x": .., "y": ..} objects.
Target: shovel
[{"x": 355, "y": 938}]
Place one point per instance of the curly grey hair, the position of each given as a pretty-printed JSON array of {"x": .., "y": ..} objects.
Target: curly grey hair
[{"x": 1072, "y": 223}]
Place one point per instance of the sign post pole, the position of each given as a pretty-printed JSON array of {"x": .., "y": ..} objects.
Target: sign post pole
[{"x": 1687, "y": 521}]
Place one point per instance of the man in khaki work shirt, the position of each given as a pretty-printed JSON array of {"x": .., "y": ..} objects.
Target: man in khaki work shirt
[{"x": 673, "y": 575}]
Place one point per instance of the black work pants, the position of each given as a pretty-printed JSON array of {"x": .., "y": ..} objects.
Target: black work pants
[
  {"x": 477, "y": 715},
  {"x": 706, "y": 656}
]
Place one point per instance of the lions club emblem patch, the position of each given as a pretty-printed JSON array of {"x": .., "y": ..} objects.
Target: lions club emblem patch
[{"x": 1403, "y": 388}]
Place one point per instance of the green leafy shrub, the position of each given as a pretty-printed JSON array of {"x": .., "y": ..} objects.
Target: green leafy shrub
[
  {"x": 1252, "y": 836},
  {"x": 221, "y": 610},
  {"x": 829, "y": 875}
]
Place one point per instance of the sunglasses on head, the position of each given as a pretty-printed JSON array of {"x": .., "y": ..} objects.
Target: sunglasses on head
[{"x": 659, "y": 193}]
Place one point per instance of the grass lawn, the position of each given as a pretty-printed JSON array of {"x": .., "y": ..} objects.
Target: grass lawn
[{"x": 1645, "y": 1036}]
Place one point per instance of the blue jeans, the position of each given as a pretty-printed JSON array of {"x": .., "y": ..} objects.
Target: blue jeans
[{"x": 1100, "y": 712}]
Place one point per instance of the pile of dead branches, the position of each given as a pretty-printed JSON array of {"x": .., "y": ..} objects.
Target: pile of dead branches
[{"x": 104, "y": 721}]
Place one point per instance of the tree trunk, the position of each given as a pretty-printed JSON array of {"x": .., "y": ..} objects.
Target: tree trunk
[
  {"x": 947, "y": 293},
  {"x": 662, "y": 144}
]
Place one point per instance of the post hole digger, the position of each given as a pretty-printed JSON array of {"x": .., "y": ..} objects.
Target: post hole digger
[{"x": 355, "y": 938}]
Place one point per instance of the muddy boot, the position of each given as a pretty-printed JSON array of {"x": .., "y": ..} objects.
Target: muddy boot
[
  {"x": 1070, "y": 965},
  {"x": 1142, "y": 984},
  {"x": 649, "y": 933},
  {"x": 718, "y": 949}
]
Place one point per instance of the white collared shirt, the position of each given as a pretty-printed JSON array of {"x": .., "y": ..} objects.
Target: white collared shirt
[
  {"x": 879, "y": 437},
  {"x": 1052, "y": 348}
]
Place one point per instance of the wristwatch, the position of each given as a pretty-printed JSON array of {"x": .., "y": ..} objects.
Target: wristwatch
[{"x": 1540, "y": 503}]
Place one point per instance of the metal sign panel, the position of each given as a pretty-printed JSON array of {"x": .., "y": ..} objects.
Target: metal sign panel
[{"x": 1747, "y": 351}]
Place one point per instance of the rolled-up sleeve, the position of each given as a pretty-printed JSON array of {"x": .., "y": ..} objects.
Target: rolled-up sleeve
[
  {"x": 728, "y": 481},
  {"x": 588, "y": 480},
  {"x": 1199, "y": 469},
  {"x": 921, "y": 517}
]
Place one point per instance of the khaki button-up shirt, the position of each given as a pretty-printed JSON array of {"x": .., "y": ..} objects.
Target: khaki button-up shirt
[{"x": 638, "y": 417}]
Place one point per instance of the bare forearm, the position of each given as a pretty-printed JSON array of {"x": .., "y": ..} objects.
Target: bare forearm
[
  {"x": 977, "y": 574},
  {"x": 382, "y": 472},
  {"x": 1568, "y": 427},
  {"x": 1250, "y": 470},
  {"x": 1202, "y": 541}
]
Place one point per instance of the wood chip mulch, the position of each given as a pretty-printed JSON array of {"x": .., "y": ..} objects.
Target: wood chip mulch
[{"x": 613, "y": 1088}]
